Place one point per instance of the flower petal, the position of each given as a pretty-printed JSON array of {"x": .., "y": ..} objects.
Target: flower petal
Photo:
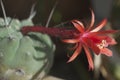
[
  {"x": 100, "y": 26},
  {"x": 111, "y": 41},
  {"x": 88, "y": 42},
  {"x": 98, "y": 39},
  {"x": 78, "y": 25},
  {"x": 103, "y": 32},
  {"x": 71, "y": 40},
  {"x": 73, "y": 48},
  {"x": 76, "y": 53},
  {"x": 90, "y": 61},
  {"x": 106, "y": 51},
  {"x": 92, "y": 20}
]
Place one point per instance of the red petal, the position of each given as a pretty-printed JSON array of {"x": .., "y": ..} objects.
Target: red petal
[
  {"x": 76, "y": 45},
  {"x": 76, "y": 53},
  {"x": 88, "y": 42},
  {"x": 92, "y": 20},
  {"x": 78, "y": 25},
  {"x": 103, "y": 32},
  {"x": 98, "y": 39},
  {"x": 71, "y": 40},
  {"x": 100, "y": 26},
  {"x": 90, "y": 61},
  {"x": 111, "y": 41},
  {"x": 106, "y": 51}
]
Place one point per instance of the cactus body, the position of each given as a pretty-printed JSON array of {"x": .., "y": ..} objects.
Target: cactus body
[{"x": 23, "y": 57}]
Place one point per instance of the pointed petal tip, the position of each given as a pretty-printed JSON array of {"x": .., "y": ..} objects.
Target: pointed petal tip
[
  {"x": 114, "y": 43},
  {"x": 91, "y": 68},
  {"x": 72, "y": 58},
  {"x": 89, "y": 58},
  {"x": 69, "y": 61},
  {"x": 92, "y": 19},
  {"x": 73, "y": 41},
  {"x": 105, "y": 20},
  {"x": 111, "y": 41},
  {"x": 106, "y": 52},
  {"x": 78, "y": 25},
  {"x": 100, "y": 26}
]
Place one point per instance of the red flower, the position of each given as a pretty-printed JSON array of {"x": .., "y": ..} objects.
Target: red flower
[
  {"x": 87, "y": 38},
  {"x": 90, "y": 38}
]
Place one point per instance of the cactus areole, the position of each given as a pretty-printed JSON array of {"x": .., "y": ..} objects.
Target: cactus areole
[{"x": 23, "y": 57}]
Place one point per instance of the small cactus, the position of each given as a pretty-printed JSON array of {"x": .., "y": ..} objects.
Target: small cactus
[{"x": 23, "y": 57}]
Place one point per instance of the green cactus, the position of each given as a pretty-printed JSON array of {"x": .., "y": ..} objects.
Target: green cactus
[{"x": 23, "y": 57}]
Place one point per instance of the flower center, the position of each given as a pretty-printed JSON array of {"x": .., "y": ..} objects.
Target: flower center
[
  {"x": 103, "y": 44},
  {"x": 85, "y": 34}
]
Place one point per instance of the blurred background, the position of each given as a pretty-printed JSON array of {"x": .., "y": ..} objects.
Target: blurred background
[{"x": 64, "y": 11}]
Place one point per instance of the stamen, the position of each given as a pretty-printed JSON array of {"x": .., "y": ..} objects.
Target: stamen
[{"x": 103, "y": 44}]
